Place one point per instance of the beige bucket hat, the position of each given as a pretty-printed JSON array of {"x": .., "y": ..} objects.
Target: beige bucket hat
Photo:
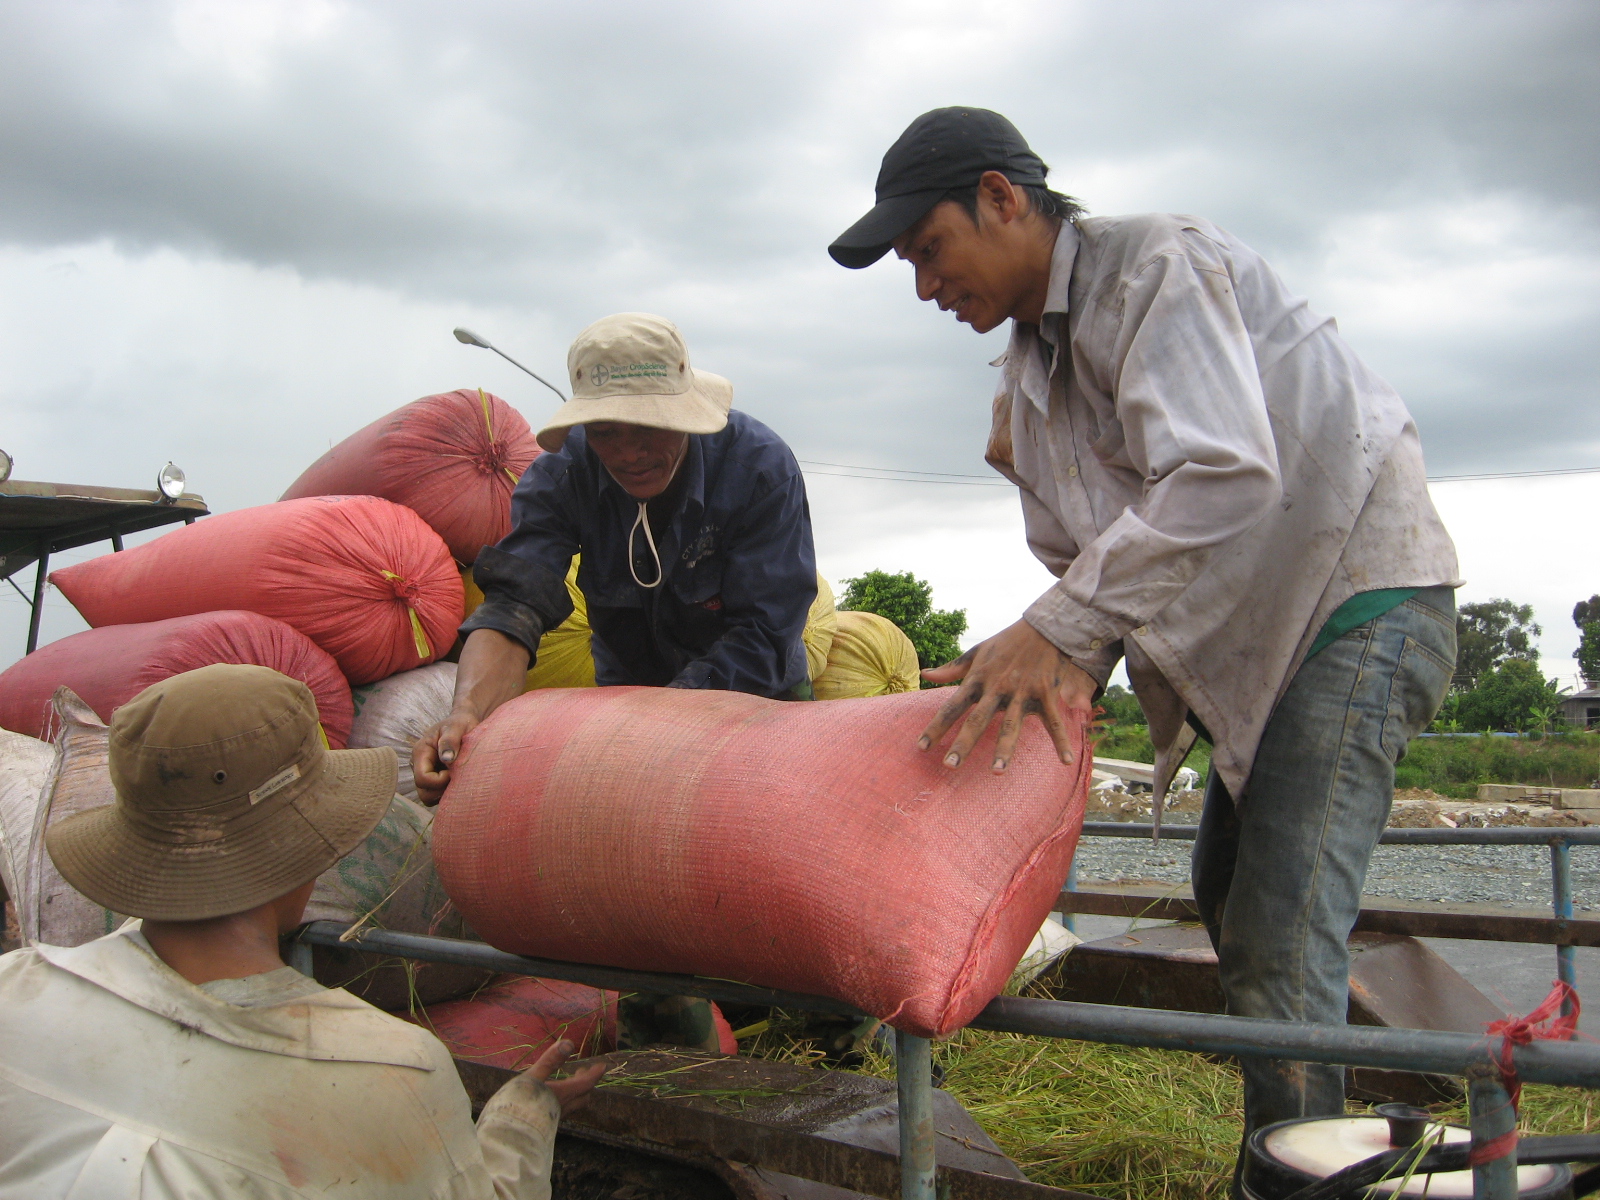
[
  {"x": 634, "y": 368},
  {"x": 226, "y": 798}
]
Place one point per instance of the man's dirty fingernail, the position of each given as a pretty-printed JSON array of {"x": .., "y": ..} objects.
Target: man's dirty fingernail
[
  {"x": 999, "y": 764},
  {"x": 952, "y": 759},
  {"x": 448, "y": 757},
  {"x": 923, "y": 743}
]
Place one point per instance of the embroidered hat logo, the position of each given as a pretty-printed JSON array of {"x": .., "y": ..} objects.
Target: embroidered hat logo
[{"x": 634, "y": 368}]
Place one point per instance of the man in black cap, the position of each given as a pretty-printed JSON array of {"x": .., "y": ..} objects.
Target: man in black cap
[{"x": 1232, "y": 502}]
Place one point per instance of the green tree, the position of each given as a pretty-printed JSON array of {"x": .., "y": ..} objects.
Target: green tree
[
  {"x": 908, "y": 602},
  {"x": 1586, "y": 616},
  {"x": 1513, "y": 696},
  {"x": 1489, "y": 633},
  {"x": 1121, "y": 706}
]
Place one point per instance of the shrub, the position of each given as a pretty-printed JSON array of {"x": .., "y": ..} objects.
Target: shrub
[
  {"x": 1514, "y": 696},
  {"x": 1454, "y": 766},
  {"x": 908, "y": 602},
  {"x": 1121, "y": 707}
]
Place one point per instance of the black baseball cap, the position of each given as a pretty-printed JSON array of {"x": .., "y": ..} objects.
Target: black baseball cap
[{"x": 941, "y": 150}]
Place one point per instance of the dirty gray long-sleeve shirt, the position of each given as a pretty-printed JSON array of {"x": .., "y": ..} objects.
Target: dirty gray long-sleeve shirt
[
  {"x": 1207, "y": 468},
  {"x": 121, "y": 1080}
]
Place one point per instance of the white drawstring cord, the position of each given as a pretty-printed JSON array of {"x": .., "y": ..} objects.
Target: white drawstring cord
[{"x": 644, "y": 519}]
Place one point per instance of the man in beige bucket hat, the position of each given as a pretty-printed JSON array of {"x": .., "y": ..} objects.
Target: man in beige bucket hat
[
  {"x": 697, "y": 562},
  {"x": 179, "y": 1056}
]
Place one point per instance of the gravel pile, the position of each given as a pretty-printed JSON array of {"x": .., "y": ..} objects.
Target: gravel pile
[{"x": 1512, "y": 875}]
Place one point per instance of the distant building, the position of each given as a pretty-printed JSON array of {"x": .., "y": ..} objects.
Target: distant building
[{"x": 1581, "y": 710}]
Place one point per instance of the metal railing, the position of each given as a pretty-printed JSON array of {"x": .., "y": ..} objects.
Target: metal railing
[
  {"x": 1568, "y": 1064},
  {"x": 1559, "y": 839}
]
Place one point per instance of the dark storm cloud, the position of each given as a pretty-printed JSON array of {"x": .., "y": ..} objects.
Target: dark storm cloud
[{"x": 568, "y": 160}]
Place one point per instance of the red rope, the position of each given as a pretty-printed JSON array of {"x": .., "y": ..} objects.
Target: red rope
[
  {"x": 1488, "y": 1152},
  {"x": 1545, "y": 1023}
]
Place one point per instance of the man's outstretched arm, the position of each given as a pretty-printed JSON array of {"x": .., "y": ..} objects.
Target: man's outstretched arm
[{"x": 492, "y": 670}]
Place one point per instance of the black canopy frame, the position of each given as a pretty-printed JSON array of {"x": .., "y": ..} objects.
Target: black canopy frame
[{"x": 41, "y": 519}]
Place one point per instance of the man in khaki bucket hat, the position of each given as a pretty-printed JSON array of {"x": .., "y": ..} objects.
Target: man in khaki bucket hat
[
  {"x": 179, "y": 1056},
  {"x": 697, "y": 563}
]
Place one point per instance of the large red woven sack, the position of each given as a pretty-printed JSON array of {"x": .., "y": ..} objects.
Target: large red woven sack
[
  {"x": 111, "y": 665},
  {"x": 809, "y": 847},
  {"x": 452, "y": 458},
  {"x": 515, "y": 1019},
  {"x": 363, "y": 578}
]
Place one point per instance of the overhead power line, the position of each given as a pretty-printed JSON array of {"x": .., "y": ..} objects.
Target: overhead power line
[
  {"x": 1514, "y": 474},
  {"x": 888, "y": 475},
  {"x": 896, "y": 470},
  {"x": 902, "y": 475}
]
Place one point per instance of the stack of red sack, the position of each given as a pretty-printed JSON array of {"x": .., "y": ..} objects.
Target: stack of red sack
[{"x": 351, "y": 579}]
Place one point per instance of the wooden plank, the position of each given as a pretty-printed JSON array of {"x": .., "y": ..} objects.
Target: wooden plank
[
  {"x": 665, "y": 1125},
  {"x": 1414, "y": 920},
  {"x": 1127, "y": 770}
]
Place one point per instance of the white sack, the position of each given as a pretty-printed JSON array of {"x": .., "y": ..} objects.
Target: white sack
[
  {"x": 49, "y": 909},
  {"x": 24, "y": 767},
  {"x": 1052, "y": 941},
  {"x": 395, "y": 711}
]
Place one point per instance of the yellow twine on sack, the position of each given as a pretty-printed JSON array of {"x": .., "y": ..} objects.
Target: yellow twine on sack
[
  {"x": 488, "y": 422},
  {"x": 424, "y": 647}
]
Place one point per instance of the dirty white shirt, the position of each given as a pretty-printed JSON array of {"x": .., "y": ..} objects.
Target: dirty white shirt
[
  {"x": 1207, "y": 468},
  {"x": 120, "y": 1080}
]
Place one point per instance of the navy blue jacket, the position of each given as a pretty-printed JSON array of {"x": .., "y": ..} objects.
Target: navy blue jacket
[{"x": 735, "y": 547}]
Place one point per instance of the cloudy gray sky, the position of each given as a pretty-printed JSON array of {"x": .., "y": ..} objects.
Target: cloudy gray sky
[{"x": 233, "y": 231}]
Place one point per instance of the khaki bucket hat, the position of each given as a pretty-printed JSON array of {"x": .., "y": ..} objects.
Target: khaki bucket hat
[
  {"x": 226, "y": 798},
  {"x": 634, "y": 368}
]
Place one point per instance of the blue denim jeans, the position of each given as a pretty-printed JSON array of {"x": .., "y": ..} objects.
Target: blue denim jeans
[{"x": 1278, "y": 872}]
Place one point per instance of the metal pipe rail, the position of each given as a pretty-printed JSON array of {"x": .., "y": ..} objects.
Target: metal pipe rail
[
  {"x": 1560, "y": 839},
  {"x": 1494, "y": 835},
  {"x": 1569, "y": 1064}
]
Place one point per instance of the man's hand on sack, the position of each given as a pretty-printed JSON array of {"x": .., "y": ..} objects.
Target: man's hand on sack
[
  {"x": 1014, "y": 673},
  {"x": 491, "y": 671},
  {"x": 572, "y": 1092},
  {"x": 435, "y": 750}
]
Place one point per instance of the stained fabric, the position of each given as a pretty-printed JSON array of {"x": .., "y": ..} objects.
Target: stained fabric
[
  {"x": 912, "y": 892},
  {"x": 733, "y": 533},
  {"x": 1209, "y": 470},
  {"x": 126, "y": 1081},
  {"x": 363, "y": 578}
]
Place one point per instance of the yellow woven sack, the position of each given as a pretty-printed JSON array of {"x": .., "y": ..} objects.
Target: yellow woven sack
[
  {"x": 564, "y": 660},
  {"x": 870, "y": 656},
  {"x": 818, "y": 633}
]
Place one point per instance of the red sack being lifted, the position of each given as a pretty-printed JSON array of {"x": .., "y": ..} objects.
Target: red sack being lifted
[
  {"x": 109, "y": 666},
  {"x": 809, "y": 847},
  {"x": 363, "y": 578},
  {"x": 452, "y": 459}
]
